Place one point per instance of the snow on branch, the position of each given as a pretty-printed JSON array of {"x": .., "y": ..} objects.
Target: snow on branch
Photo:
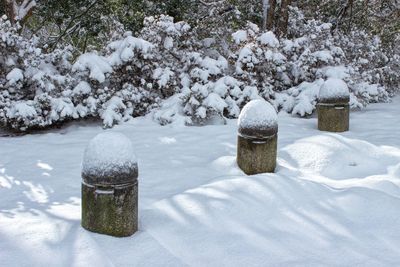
[
  {"x": 19, "y": 11},
  {"x": 25, "y": 8}
]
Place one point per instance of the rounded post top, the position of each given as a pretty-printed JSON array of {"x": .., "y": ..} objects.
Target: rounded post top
[
  {"x": 334, "y": 91},
  {"x": 109, "y": 159},
  {"x": 258, "y": 119}
]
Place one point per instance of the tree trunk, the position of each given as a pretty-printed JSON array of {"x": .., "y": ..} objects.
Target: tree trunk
[
  {"x": 283, "y": 18},
  {"x": 265, "y": 14},
  {"x": 9, "y": 10},
  {"x": 343, "y": 10},
  {"x": 271, "y": 15}
]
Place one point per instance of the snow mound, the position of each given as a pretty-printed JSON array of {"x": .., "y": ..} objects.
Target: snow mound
[
  {"x": 258, "y": 118},
  {"x": 334, "y": 89},
  {"x": 339, "y": 158},
  {"x": 109, "y": 156},
  {"x": 225, "y": 223}
]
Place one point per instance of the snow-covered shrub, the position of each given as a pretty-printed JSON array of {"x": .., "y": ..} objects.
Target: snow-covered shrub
[
  {"x": 183, "y": 67},
  {"x": 133, "y": 75},
  {"x": 258, "y": 62},
  {"x": 170, "y": 70},
  {"x": 373, "y": 75},
  {"x": 119, "y": 82},
  {"x": 216, "y": 87},
  {"x": 172, "y": 42},
  {"x": 286, "y": 72},
  {"x": 42, "y": 88},
  {"x": 201, "y": 101},
  {"x": 34, "y": 84},
  {"x": 315, "y": 52}
]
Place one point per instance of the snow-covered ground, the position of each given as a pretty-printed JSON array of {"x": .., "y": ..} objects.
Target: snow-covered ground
[{"x": 333, "y": 201}]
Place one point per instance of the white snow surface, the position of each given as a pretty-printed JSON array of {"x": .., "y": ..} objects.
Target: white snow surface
[
  {"x": 334, "y": 199},
  {"x": 107, "y": 152},
  {"x": 333, "y": 88},
  {"x": 258, "y": 114}
]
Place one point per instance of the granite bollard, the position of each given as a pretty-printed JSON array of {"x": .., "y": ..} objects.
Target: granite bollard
[
  {"x": 257, "y": 137},
  {"x": 333, "y": 106},
  {"x": 110, "y": 186}
]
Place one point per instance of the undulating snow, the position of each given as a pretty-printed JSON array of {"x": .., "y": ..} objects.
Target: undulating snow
[{"x": 333, "y": 201}]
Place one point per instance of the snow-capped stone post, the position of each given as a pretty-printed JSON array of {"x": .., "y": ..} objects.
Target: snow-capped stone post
[
  {"x": 333, "y": 106},
  {"x": 257, "y": 137},
  {"x": 110, "y": 186}
]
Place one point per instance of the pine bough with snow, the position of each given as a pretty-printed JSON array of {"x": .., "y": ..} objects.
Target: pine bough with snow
[{"x": 178, "y": 77}]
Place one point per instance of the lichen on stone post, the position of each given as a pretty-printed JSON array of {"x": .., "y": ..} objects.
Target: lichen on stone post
[
  {"x": 257, "y": 138},
  {"x": 333, "y": 106},
  {"x": 110, "y": 186}
]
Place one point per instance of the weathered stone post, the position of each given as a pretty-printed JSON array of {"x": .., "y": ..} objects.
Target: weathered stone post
[
  {"x": 333, "y": 106},
  {"x": 257, "y": 137},
  {"x": 110, "y": 186}
]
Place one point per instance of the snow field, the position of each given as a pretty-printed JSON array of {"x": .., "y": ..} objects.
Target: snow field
[{"x": 333, "y": 201}]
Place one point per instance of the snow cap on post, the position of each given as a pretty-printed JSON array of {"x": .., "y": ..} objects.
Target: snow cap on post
[
  {"x": 258, "y": 119},
  {"x": 109, "y": 159},
  {"x": 334, "y": 91}
]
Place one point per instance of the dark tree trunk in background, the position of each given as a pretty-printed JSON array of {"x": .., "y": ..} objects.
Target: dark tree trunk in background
[
  {"x": 271, "y": 15},
  {"x": 278, "y": 17},
  {"x": 343, "y": 11},
  {"x": 265, "y": 4},
  {"x": 283, "y": 18},
  {"x": 9, "y": 10}
]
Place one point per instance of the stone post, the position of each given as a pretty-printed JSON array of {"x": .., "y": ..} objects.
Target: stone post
[
  {"x": 257, "y": 138},
  {"x": 110, "y": 186},
  {"x": 333, "y": 106}
]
